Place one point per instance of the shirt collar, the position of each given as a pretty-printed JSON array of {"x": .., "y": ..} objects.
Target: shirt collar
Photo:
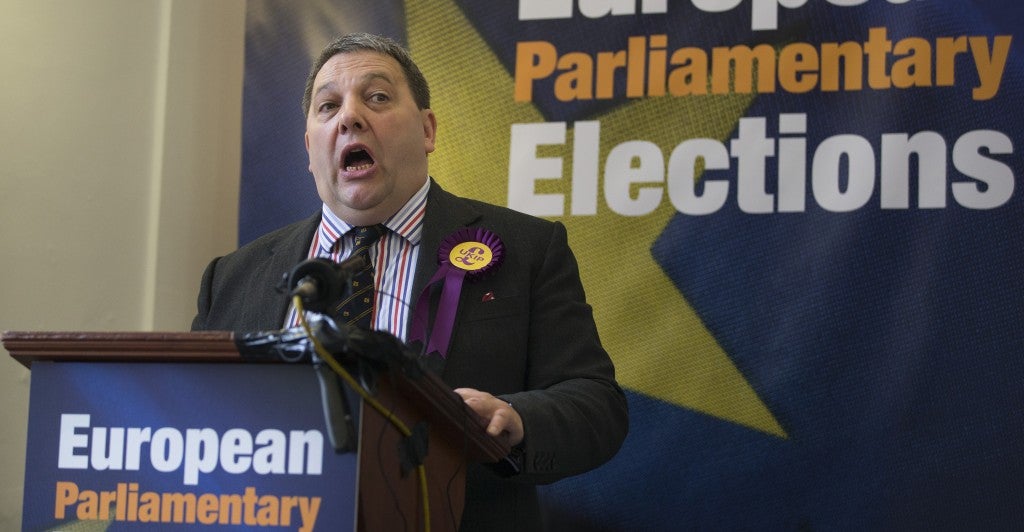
[{"x": 406, "y": 223}]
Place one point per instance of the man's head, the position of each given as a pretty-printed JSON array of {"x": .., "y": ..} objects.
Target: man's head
[
  {"x": 355, "y": 42},
  {"x": 369, "y": 127}
]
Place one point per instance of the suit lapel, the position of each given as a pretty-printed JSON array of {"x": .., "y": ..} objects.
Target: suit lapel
[
  {"x": 445, "y": 214},
  {"x": 282, "y": 255}
]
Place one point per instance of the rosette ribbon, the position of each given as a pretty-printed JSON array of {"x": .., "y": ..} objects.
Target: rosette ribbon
[{"x": 467, "y": 254}]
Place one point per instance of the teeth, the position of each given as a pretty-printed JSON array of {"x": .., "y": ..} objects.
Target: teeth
[{"x": 357, "y": 168}]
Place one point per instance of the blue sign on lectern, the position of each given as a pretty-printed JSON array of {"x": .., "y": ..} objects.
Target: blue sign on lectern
[{"x": 173, "y": 446}]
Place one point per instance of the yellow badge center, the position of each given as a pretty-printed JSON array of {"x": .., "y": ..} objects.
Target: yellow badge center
[{"x": 470, "y": 256}]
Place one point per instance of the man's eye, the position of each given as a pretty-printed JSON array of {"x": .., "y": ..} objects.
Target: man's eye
[
  {"x": 326, "y": 106},
  {"x": 379, "y": 97}
]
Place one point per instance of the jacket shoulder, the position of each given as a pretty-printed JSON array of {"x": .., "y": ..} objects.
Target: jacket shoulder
[
  {"x": 284, "y": 240},
  {"x": 493, "y": 215}
]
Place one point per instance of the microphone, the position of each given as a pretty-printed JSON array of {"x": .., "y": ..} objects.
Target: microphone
[{"x": 321, "y": 282}]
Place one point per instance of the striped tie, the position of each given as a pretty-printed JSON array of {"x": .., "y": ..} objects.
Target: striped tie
[{"x": 357, "y": 308}]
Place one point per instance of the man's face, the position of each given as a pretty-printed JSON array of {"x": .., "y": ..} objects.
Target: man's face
[{"x": 366, "y": 138}]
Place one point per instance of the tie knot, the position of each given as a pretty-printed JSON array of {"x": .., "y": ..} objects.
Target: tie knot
[{"x": 367, "y": 235}]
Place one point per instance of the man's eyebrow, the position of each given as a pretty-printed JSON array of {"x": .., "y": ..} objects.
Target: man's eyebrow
[
  {"x": 325, "y": 87},
  {"x": 366, "y": 78},
  {"x": 371, "y": 76}
]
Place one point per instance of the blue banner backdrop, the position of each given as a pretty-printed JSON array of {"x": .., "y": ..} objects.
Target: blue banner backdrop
[{"x": 812, "y": 209}]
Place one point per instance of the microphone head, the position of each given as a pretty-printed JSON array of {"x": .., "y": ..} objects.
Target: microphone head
[{"x": 318, "y": 282}]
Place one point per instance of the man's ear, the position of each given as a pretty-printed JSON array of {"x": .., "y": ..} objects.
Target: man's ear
[
  {"x": 429, "y": 130},
  {"x": 306, "y": 139}
]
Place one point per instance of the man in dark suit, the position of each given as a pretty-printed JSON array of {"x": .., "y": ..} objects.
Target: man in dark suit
[{"x": 523, "y": 350}]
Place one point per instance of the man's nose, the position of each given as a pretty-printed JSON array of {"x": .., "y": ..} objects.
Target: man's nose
[{"x": 351, "y": 117}]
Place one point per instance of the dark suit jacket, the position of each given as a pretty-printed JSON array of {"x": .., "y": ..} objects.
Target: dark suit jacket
[{"x": 534, "y": 344}]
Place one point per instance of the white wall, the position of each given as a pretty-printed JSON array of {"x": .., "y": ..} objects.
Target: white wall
[{"x": 120, "y": 124}]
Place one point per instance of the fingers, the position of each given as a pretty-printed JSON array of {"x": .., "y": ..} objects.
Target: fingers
[
  {"x": 506, "y": 420},
  {"x": 497, "y": 415}
]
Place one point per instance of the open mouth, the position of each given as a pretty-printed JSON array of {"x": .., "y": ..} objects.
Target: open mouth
[{"x": 357, "y": 159}]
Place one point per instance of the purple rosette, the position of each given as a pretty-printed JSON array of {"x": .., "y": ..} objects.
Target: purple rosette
[{"x": 469, "y": 253}]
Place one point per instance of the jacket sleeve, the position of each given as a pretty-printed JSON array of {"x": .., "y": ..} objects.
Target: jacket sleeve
[{"x": 574, "y": 412}]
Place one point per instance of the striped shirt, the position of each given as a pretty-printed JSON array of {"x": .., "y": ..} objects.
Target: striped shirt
[{"x": 393, "y": 258}]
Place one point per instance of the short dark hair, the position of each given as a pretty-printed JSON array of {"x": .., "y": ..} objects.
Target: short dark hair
[{"x": 355, "y": 42}]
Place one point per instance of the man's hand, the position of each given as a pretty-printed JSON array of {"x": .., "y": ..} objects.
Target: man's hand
[{"x": 498, "y": 416}]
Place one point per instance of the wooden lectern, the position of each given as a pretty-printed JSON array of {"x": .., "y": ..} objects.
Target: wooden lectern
[{"x": 387, "y": 499}]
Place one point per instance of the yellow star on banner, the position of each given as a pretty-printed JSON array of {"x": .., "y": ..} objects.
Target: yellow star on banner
[{"x": 658, "y": 343}]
